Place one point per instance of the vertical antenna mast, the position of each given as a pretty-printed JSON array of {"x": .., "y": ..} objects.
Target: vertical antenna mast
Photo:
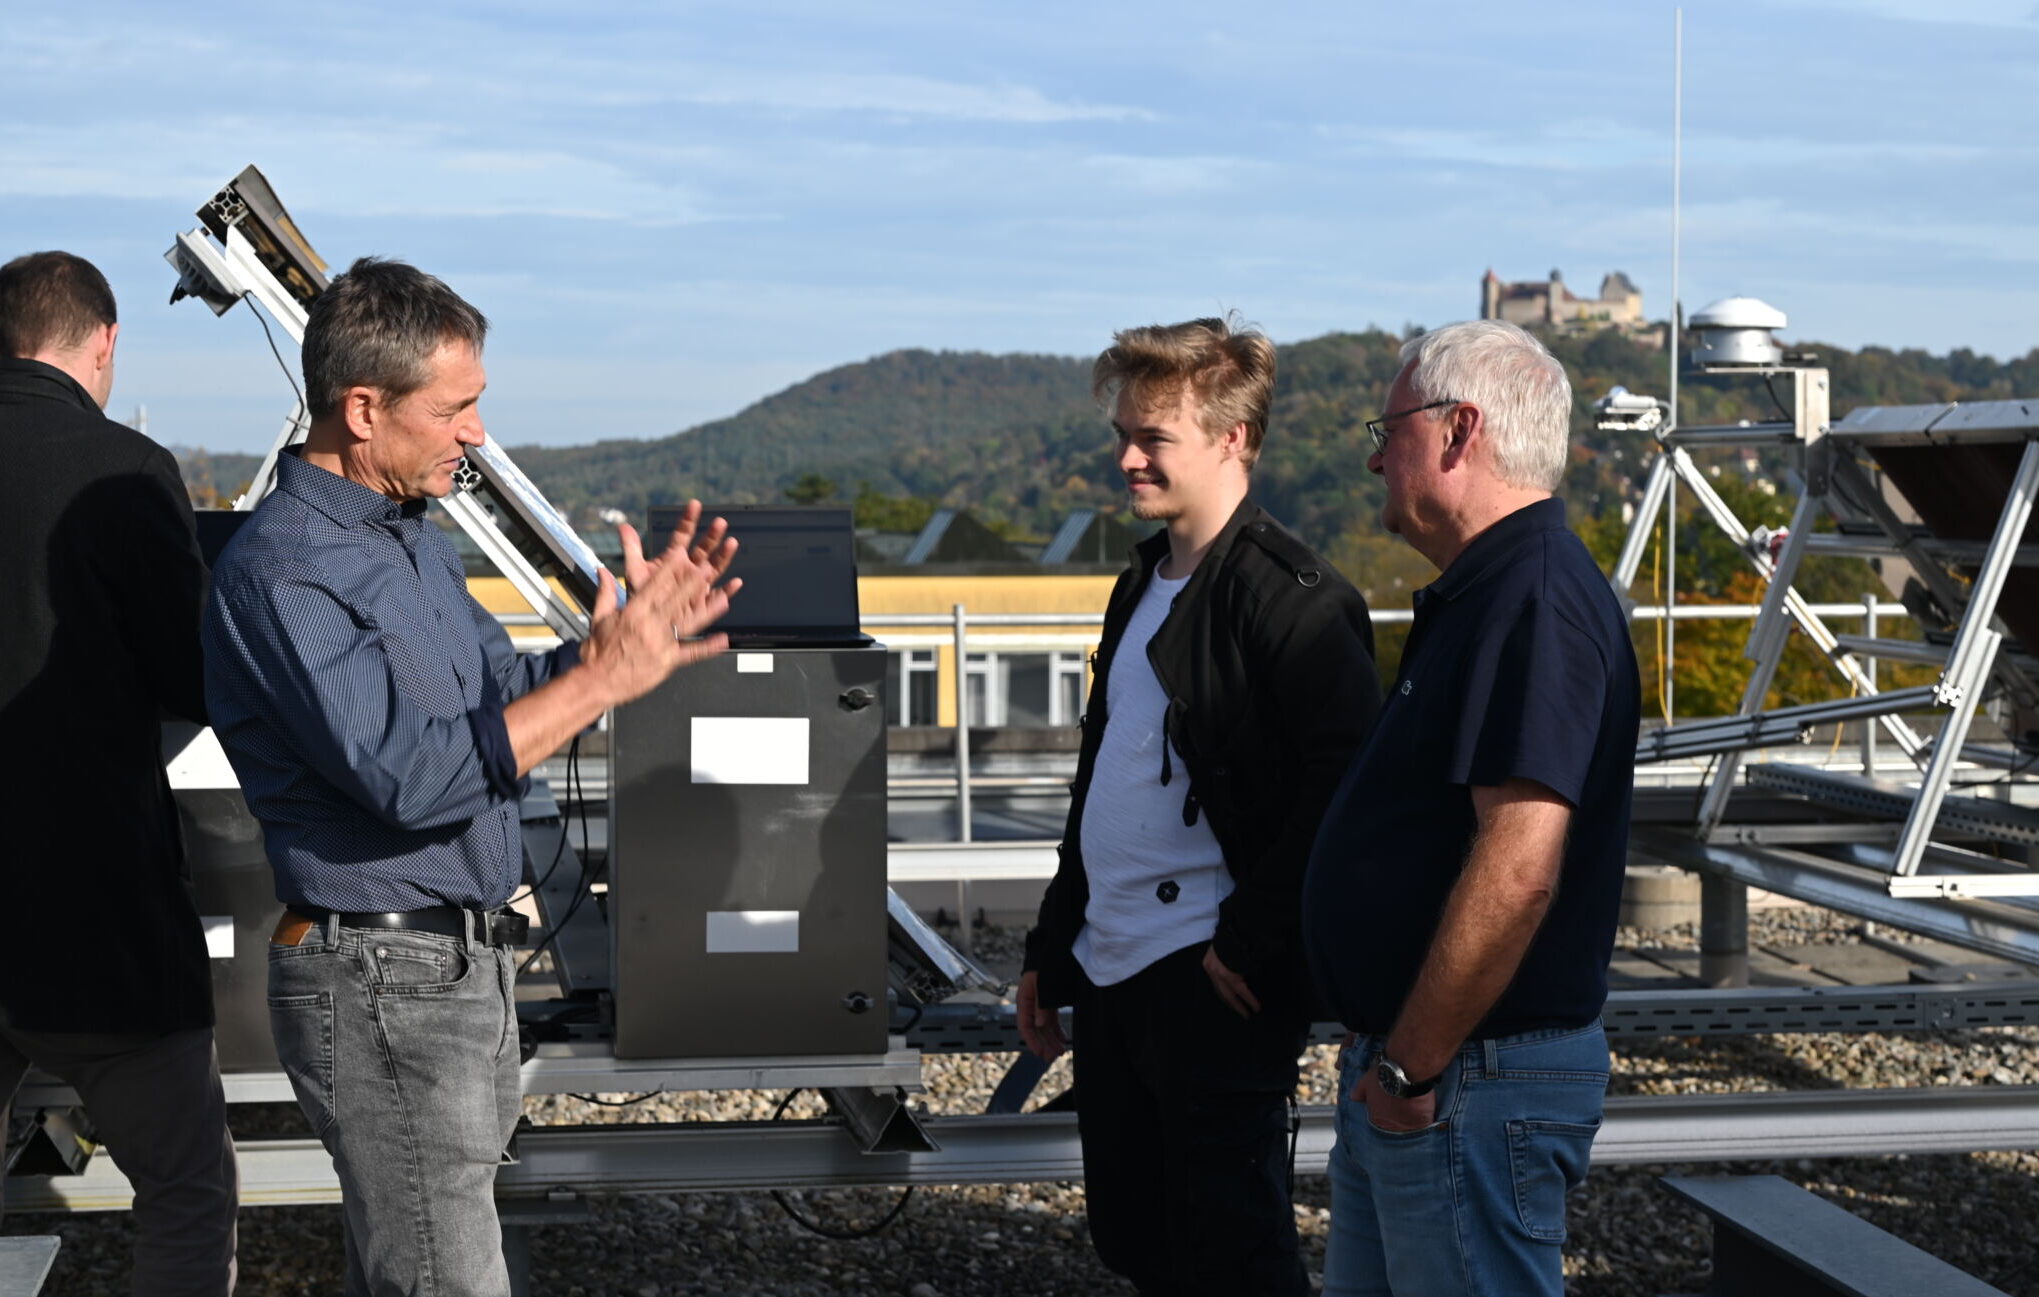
[
  {"x": 1677, "y": 331},
  {"x": 1677, "y": 195}
]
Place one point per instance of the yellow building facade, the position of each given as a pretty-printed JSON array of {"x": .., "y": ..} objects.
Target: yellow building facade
[{"x": 1016, "y": 672}]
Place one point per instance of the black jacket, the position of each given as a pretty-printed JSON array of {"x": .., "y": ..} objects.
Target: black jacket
[
  {"x": 1266, "y": 658},
  {"x": 103, "y": 589}
]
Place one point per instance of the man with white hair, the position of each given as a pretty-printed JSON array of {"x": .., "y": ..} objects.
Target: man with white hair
[{"x": 1460, "y": 903}]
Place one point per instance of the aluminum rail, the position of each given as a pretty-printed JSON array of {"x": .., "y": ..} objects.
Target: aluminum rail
[
  {"x": 976, "y": 1027},
  {"x": 1858, "y": 884},
  {"x": 1887, "y": 798},
  {"x": 561, "y": 1162},
  {"x": 1380, "y": 616}
]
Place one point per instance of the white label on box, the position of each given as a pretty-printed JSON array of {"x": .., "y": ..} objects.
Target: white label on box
[
  {"x": 219, "y": 935},
  {"x": 749, "y": 749},
  {"x": 753, "y": 932},
  {"x": 753, "y": 664},
  {"x": 194, "y": 759}
]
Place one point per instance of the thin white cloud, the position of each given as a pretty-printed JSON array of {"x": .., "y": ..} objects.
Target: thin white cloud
[
  {"x": 907, "y": 96},
  {"x": 1976, "y": 13}
]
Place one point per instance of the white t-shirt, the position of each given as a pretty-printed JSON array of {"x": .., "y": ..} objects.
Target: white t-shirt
[{"x": 1155, "y": 882}]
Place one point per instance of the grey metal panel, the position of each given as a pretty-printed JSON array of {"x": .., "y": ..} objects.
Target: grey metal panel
[
  {"x": 1869, "y": 420},
  {"x": 1770, "y": 1236},
  {"x": 681, "y": 850},
  {"x": 25, "y": 1262},
  {"x": 1067, "y": 535},
  {"x": 1978, "y": 420},
  {"x": 1921, "y": 425},
  {"x": 230, "y": 875},
  {"x": 930, "y": 536}
]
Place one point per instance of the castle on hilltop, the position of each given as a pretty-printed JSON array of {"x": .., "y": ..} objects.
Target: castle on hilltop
[{"x": 1551, "y": 305}]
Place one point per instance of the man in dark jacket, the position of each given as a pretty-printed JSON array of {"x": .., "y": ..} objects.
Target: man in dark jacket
[
  {"x": 1234, "y": 680},
  {"x": 104, "y": 980}
]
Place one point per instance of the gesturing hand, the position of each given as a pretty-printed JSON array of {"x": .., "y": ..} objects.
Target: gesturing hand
[
  {"x": 710, "y": 552},
  {"x": 673, "y": 598}
]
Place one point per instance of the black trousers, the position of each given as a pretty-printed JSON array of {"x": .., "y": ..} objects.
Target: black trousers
[{"x": 1183, "y": 1108}]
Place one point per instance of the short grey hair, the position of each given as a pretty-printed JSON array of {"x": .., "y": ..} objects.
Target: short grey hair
[
  {"x": 377, "y": 326},
  {"x": 1516, "y": 382}
]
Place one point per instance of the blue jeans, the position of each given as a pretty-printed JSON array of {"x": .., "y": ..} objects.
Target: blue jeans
[
  {"x": 1473, "y": 1204},
  {"x": 402, "y": 1048}
]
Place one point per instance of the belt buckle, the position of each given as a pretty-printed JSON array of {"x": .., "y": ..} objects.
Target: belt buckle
[{"x": 505, "y": 927}]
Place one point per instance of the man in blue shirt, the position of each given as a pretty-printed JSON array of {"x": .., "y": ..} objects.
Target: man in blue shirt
[
  {"x": 382, "y": 727},
  {"x": 1460, "y": 903}
]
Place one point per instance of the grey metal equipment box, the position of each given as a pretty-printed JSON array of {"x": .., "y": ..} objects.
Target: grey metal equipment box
[
  {"x": 236, "y": 894},
  {"x": 747, "y": 858}
]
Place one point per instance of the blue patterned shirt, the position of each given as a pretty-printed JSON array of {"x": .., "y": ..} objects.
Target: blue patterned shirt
[{"x": 358, "y": 690}]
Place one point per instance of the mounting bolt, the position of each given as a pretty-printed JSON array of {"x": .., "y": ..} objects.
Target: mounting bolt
[{"x": 857, "y": 1002}]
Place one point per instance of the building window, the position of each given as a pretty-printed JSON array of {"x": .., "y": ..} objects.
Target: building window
[
  {"x": 984, "y": 688},
  {"x": 911, "y": 680},
  {"x": 1029, "y": 695},
  {"x": 1065, "y": 696}
]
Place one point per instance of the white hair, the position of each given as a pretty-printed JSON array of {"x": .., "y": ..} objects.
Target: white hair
[{"x": 1518, "y": 385}]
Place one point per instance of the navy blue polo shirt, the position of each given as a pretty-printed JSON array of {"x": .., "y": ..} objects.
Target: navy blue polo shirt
[{"x": 1519, "y": 664}]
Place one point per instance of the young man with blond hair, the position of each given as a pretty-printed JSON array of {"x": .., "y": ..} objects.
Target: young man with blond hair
[{"x": 1234, "y": 680}]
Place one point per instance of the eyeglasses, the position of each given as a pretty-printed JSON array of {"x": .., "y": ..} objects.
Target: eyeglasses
[{"x": 1378, "y": 428}]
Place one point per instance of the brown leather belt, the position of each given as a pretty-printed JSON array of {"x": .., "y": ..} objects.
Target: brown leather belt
[{"x": 494, "y": 927}]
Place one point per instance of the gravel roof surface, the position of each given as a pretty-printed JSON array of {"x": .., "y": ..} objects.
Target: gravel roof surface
[{"x": 1628, "y": 1235}]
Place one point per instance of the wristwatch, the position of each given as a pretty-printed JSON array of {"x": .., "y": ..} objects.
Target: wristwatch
[{"x": 1395, "y": 1083}]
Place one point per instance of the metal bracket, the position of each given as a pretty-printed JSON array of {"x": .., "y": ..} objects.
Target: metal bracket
[{"x": 880, "y": 1120}]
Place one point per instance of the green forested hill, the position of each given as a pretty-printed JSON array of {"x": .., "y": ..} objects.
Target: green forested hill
[
  {"x": 1018, "y": 441},
  {"x": 989, "y": 431}
]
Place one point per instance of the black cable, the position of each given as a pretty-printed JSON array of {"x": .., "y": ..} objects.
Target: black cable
[
  {"x": 580, "y": 799},
  {"x": 1772, "y": 390},
  {"x": 2017, "y": 769},
  {"x": 288, "y": 376},
  {"x": 573, "y": 757},
  {"x": 816, "y": 1227},
  {"x": 616, "y": 1103},
  {"x": 587, "y": 889},
  {"x": 587, "y": 883}
]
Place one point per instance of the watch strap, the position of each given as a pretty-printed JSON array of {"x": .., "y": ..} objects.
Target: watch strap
[{"x": 1397, "y": 1083}]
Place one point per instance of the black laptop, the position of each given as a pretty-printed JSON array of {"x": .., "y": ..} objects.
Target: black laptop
[{"x": 799, "y": 570}]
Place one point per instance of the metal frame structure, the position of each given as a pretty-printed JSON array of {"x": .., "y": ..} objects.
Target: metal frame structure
[
  {"x": 222, "y": 262},
  {"x": 1921, "y": 862}
]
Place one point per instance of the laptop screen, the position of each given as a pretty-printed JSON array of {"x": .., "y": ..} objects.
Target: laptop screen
[{"x": 799, "y": 570}]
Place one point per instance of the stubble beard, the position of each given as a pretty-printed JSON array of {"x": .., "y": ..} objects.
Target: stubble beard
[{"x": 1156, "y": 509}]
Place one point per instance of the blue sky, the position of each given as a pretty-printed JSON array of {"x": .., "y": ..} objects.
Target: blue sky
[{"x": 671, "y": 210}]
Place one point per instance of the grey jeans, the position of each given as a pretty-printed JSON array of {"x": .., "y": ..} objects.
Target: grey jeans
[
  {"x": 402, "y": 1047},
  {"x": 156, "y": 1103}
]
